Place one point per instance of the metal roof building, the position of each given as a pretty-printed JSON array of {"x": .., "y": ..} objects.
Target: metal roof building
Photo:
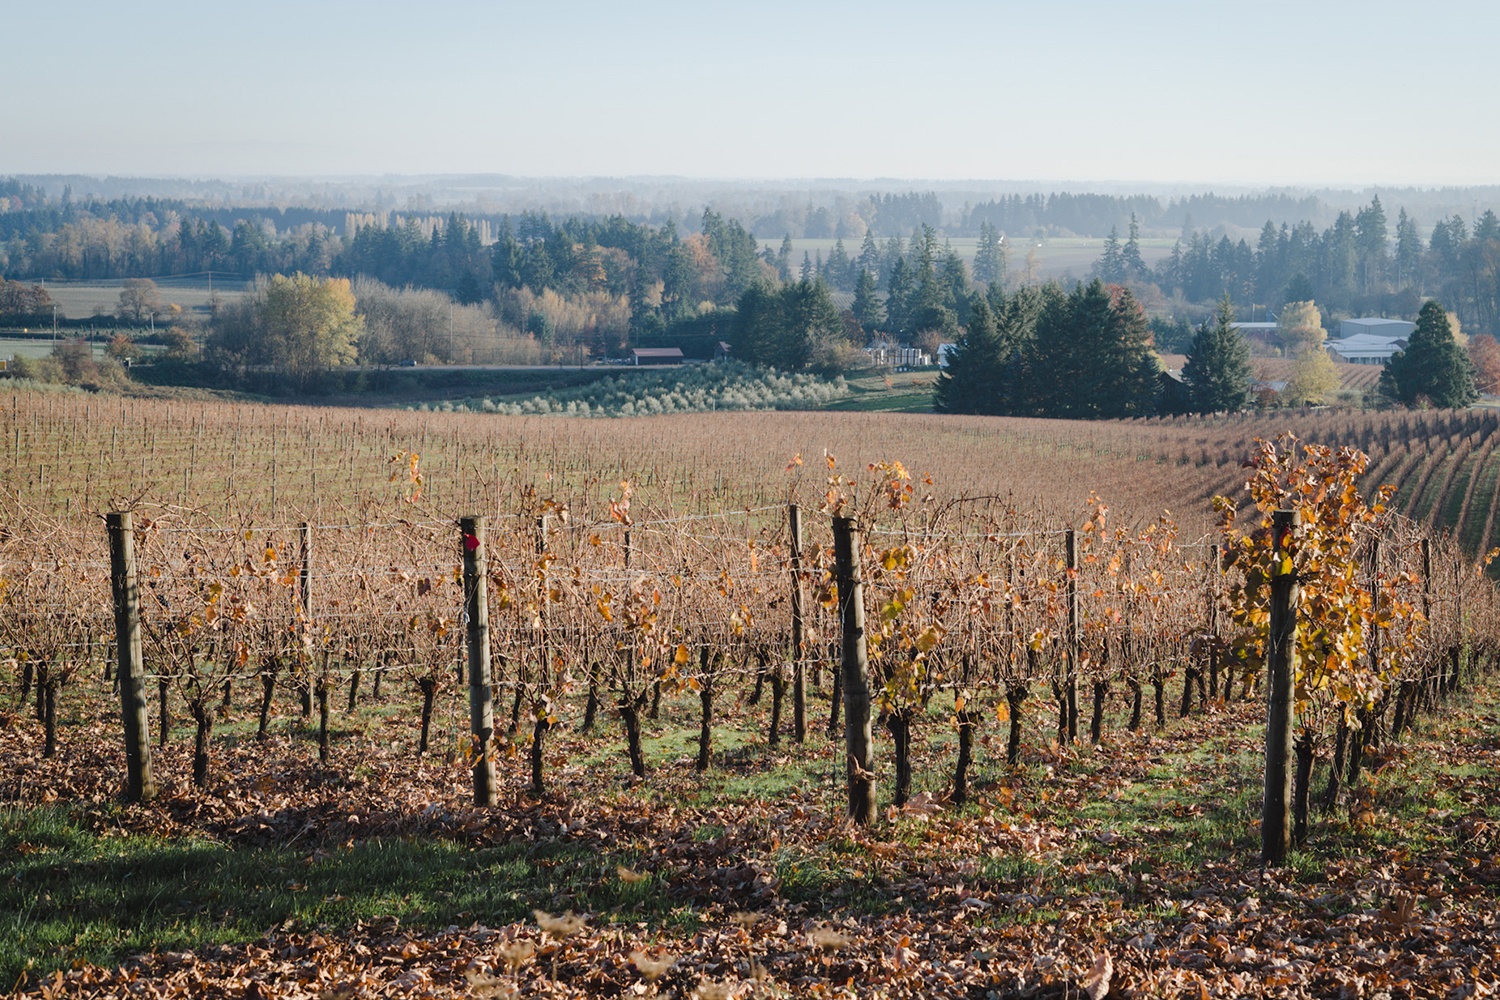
[
  {"x": 1365, "y": 348},
  {"x": 1390, "y": 329}
]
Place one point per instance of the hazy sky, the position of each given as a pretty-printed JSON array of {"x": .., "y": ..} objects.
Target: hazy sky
[{"x": 1270, "y": 92}]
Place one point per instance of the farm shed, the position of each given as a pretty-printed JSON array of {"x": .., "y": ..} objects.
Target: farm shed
[
  {"x": 1365, "y": 348},
  {"x": 656, "y": 356}
]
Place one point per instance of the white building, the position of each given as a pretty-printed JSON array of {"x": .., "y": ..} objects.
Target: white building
[{"x": 1366, "y": 348}]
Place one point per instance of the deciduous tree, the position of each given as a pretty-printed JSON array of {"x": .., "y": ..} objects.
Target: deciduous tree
[{"x": 139, "y": 298}]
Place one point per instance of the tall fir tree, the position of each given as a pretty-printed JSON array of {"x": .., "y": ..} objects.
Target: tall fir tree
[
  {"x": 973, "y": 379},
  {"x": 868, "y": 312},
  {"x": 1131, "y": 263},
  {"x": 1218, "y": 365},
  {"x": 1092, "y": 356},
  {"x": 989, "y": 258},
  {"x": 1433, "y": 368},
  {"x": 1110, "y": 267},
  {"x": 784, "y": 259},
  {"x": 869, "y": 256}
]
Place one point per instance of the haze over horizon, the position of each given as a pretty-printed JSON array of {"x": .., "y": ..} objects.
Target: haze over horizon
[{"x": 1335, "y": 94}]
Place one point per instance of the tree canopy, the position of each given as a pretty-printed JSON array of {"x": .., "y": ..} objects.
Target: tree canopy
[
  {"x": 1091, "y": 358},
  {"x": 1218, "y": 364},
  {"x": 789, "y": 328},
  {"x": 297, "y": 325},
  {"x": 1433, "y": 369},
  {"x": 1084, "y": 354}
]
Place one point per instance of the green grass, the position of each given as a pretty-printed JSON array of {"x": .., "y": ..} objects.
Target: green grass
[
  {"x": 898, "y": 392},
  {"x": 73, "y": 888},
  {"x": 70, "y": 894}
]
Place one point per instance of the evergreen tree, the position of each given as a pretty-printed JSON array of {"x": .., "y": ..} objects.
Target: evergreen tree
[
  {"x": 838, "y": 269},
  {"x": 1370, "y": 222},
  {"x": 955, "y": 281},
  {"x": 1218, "y": 365},
  {"x": 1130, "y": 257},
  {"x": 786, "y": 328},
  {"x": 868, "y": 312},
  {"x": 1092, "y": 356},
  {"x": 807, "y": 272},
  {"x": 1433, "y": 368},
  {"x": 899, "y": 296},
  {"x": 784, "y": 259},
  {"x": 869, "y": 256},
  {"x": 1408, "y": 252},
  {"x": 1110, "y": 268},
  {"x": 973, "y": 380},
  {"x": 989, "y": 259},
  {"x": 987, "y": 366}
]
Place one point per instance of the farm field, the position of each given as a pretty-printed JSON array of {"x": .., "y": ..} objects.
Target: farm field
[
  {"x": 23, "y": 347},
  {"x": 310, "y": 727},
  {"x": 1059, "y": 257},
  {"x": 82, "y": 299},
  {"x": 73, "y": 452}
]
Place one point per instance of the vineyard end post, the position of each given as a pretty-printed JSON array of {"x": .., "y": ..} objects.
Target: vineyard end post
[
  {"x": 140, "y": 786},
  {"x": 799, "y": 662},
  {"x": 858, "y": 737},
  {"x": 1276, "y": 813},
  {"x": 477, "y": 642},
  {"x": 1075, "y": 643}
]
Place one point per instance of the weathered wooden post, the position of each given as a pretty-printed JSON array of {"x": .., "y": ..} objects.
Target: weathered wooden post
[
  {"x": 855, "y": 671},
  {"x": 477, "y": 641},
  {"x": 140, "y": 786},
  {"x": 1276, "y": 812},
  {"x": 304, "y": 594},
  {"x": 541, "y": 721},
  {"x": 1215, "y": 576},
  {"x": 799, "y": 660},
  {"x": 1075, "y": 644}
]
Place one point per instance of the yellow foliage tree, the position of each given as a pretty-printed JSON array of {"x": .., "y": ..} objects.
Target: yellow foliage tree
[
  {"x": 308, "y": 323},
  {"x": 1300, "y": 327},
  {"x": 1314, "y": 378}
]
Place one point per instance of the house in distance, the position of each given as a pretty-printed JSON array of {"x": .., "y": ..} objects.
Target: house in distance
[
  {"x": 1370, "y": 340},
  {"x": 656, "y": 356}
]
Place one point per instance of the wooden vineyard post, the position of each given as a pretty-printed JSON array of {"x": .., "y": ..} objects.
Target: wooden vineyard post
[
  {"x": 1075, "y": 646},
  {"x": 541, "y": 715},
  {"x": 1430, "y": 685},
  {"x": 304, "y": 596},
  {"x": 477, "y": 641},
  {"x": 140, "y": 786},
  {"x": 1276, "y": 813},
  {"x": 1215, "y": 575},
  {"x": 855, "y": 672},
  {"x": 799, "y": 662}
]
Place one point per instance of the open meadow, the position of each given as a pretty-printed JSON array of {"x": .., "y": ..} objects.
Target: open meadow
[
  {"x": 1067, "y": 764},
  {"x": 186, "y": 295}
]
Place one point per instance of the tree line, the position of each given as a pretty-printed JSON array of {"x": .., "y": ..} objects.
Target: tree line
[{"x": 1359, "y": 264}]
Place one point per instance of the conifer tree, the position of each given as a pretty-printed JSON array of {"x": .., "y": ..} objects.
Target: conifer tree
[
  {"x": 1433, "y": 368},
  {"x": 973, "y": 380},
  {"x": 1218, "y": 365},
  {"x": 867, "y": 308},
  {"x": 1131, "y": 263},
  {"x": 1092, "y": 356},
  {"x": 1110, "y": 268}
]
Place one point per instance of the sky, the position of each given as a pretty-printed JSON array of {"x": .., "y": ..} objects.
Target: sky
[{"x": 1311, "y": 93}]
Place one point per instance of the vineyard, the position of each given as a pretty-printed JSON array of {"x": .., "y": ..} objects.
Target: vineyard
[{"x": 637, "y": 670}]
